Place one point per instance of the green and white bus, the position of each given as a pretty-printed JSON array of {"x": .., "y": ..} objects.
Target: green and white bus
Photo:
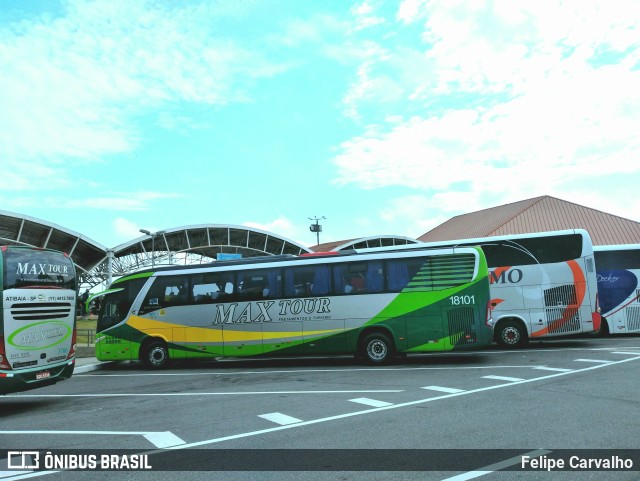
[
  {"x": 371, "y": 305},
  {"x": 37, "y": 319}
]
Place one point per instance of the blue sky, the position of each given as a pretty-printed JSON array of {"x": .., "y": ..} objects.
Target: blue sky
[{"x": 385, "y": 117}]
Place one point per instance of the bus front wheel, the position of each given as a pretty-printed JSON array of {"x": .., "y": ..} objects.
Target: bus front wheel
[
  {"x": 377, "y": 348},
  {"x": 511, "y": 334},
  {"x": 156, "y": 355}
]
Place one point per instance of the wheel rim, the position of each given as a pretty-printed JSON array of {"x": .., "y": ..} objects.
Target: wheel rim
[
  {"x": 511, "y": 335},
  {"x": 157, "y": 356},
  {"x": 377, "y": 350}
]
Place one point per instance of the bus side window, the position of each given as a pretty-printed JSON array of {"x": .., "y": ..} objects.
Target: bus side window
[
  {"x": 166, "y": 292},
  {"x": 401, "y": 271},
  {"x": 307, "y": 281},
  {"x": 204, "y": 287}
]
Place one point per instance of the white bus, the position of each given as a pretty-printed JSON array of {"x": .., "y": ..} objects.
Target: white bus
[
  {"x": 542, "y": 284},
  {"x": 37, "y": 322},
  {"x": 618, "y": 274}
]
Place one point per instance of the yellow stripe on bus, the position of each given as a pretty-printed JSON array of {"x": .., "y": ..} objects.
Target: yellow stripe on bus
[{"x": 182, "y": 333}]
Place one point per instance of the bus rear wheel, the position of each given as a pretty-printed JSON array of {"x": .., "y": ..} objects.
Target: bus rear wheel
[
  {"x": 156, "y": 355},
  {"x": 511, "y": 334},
  {"x": 377, "y": 348}
]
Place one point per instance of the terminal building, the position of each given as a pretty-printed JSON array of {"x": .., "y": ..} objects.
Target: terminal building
[{"x": 205, "y": 243}]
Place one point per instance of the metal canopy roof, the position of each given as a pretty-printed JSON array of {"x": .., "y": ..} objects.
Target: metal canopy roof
[
  {"x": 364, "y": 243},
  {"x": 197, "y": 244},
  {"x": 17, "y": 229},
  {"x": 178, "y": 245}
]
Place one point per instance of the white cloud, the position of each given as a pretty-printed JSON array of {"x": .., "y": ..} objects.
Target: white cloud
[
  {"x": 281, "y": 227},
  {"x": 72, "y": 85},
  {"x": 125, "y": 229},
  {"x": 514, "y": 100}
]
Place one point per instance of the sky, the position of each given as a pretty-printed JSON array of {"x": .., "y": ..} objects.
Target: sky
[{"x": 387, "y": 118}]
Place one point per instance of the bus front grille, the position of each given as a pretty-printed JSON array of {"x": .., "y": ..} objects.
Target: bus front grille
[
  {"x": 41, "y": 311},
  {"x": 461, "y": 329},
  {"x": 633, "y": 319}
]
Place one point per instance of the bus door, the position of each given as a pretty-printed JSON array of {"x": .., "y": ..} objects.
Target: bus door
[{"x": 113, "y": 310}]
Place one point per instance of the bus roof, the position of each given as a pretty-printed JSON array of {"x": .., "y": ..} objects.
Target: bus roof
[
  {"x": 618, "y": 247},
  {"x": 476, "y": 241},
  {"x": 315, "y": 259}
]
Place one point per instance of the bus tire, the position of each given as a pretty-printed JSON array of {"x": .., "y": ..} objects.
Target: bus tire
[
  {"x": 156, "y": 355},
  {"x": 377, "y": 349},
  {"x": 511, "y": 334}
]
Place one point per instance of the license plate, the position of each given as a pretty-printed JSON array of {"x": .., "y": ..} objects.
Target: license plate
[{"x": 43, "y": 375}]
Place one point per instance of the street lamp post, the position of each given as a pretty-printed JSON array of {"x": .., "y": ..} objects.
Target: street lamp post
[
  {"x": 153, "y": 243},
  {"x": 317, "y": 228}
]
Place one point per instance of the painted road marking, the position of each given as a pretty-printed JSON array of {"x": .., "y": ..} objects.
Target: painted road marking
[
  {"x": 497, "y": 466},
  {"x": 504, "y": 378},
  {"x": 600, "y": 361},
  {"x": 163, "y": 439},
  {"x": 558, "y": 369},
  {"x": 449, "y": 390},
  {"x": 630, "y": 353},
  {"x": 235, "y": 393},
  {"x": 280, "y": 418},
  {"x": 393, "y": 406},
  {"x": 370, "y": 402}
]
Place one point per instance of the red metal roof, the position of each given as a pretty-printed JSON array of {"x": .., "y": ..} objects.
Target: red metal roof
[{"x": 540, "y": 214}]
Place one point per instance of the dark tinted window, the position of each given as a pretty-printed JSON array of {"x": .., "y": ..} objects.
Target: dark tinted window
[
  {"x": 260, "y": 284},
  {"x": 358, "y": 277},
  {"x": 401, "y": 271},
  {"x": 541, "y": 250},
  {"x": 115, "y": 307},
  {"x": 26, "y": 267},
  {"x": 622, "y": 259},
  {"x": 307, "y": 281},
  {"x": 166, "y": 291}
]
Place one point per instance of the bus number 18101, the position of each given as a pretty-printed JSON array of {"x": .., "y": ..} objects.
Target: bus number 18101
[{"x": 462, "y": 300}]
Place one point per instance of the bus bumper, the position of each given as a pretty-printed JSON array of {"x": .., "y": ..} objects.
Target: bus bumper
[{"x": 27, "y": 379}]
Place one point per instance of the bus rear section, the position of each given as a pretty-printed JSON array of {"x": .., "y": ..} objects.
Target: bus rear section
[
  {"x": 37, "y": 335},
  {"x": 542, "y": 285},
  {"x": 618, "y": 274}
]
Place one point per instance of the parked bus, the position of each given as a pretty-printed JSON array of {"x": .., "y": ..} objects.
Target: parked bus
[
  {"x": 37, "y": 321},
  {"x": 618, "y": 273},
  {"x": 373, "y": 305},
  {"x": 542, "y": 284}
]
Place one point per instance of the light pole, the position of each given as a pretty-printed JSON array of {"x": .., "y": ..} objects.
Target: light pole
[
  {"x": 153, "y": 243},
  {"x": 317, "y": 228}
]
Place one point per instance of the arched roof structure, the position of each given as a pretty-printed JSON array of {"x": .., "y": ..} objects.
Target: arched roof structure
[
  {"x": 196, "y": 244},
  {"x": 96, "y": 263},
  {"x": 18, "y": 229},
  {"x": 364, "y": 243}
]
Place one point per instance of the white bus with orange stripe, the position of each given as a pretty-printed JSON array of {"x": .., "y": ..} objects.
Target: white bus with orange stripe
[{"x": 542, "y": 284}]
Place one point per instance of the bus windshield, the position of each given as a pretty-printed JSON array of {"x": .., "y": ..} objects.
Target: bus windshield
[{"x": 36, "y": 268}]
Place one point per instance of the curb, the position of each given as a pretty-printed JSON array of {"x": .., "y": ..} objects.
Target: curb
[{"x": 89, "y": 367}]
